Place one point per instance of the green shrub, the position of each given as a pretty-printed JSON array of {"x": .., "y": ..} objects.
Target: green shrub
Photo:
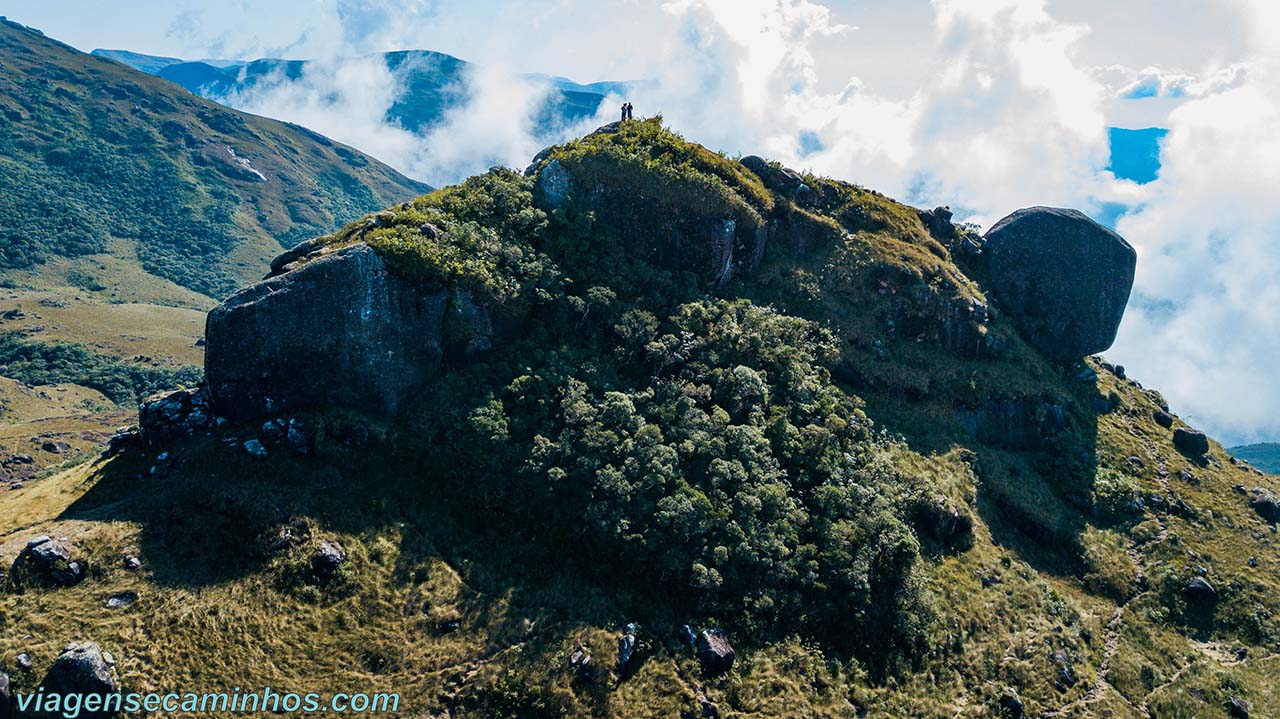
[
  {"x": 124, "y": 382},
  {"x": 1113, "y": 490}
]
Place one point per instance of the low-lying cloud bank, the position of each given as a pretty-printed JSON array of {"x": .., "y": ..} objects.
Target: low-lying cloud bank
[{"x": 1009, "y": 119}]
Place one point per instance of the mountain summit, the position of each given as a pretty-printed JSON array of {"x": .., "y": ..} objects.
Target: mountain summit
[{"x": 648, "y": 431}]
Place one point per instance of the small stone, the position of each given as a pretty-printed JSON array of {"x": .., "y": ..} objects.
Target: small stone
[
  {"x": 297, "y": 439},
  {"x": 272, "y": 431},
  {"x": 1066, "y": 669},
  {"x": 133, "y": 564},
  {"x": 6, "y": 696},
  {"x": 1266, "y": 506},
  {"x": 1190, "y": 441},
  {"x": 1200, "y": 591},
  {"x": 1237, "y": 708},
  {"x": 254, "y": 449},
  {"x": 580, "y": 662},
  {"x": 626, "y": 649},
  {"x": 121, "y": 600},
  {"x": 23, "y": 661},
  {"x": 687, "y": 634},
  {"x": 714, "y": 651},
  {"x": 708, "y": 708},
  {"x": 327, "y": 559},
  {"x": 1011, "y": 704}
]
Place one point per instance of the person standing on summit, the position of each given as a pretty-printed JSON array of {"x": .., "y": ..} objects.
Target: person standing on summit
[
  {"x": 629, "y": 108},
  {"x": 624, "y": 112}
]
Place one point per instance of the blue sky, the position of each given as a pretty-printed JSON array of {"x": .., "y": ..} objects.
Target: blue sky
[{"x": 985, "y": 105}]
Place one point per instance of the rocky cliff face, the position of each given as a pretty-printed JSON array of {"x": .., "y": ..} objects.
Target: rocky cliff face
[{"x": 339, "y": 330}]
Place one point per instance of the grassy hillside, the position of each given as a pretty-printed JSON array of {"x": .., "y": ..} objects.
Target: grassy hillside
[
  {"x": 1265, "y": 456},
  {"x": 100, "y": 160},
  {"x": 886, "y": 518}
]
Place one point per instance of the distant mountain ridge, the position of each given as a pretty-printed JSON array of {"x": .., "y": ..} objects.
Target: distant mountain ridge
[
  {"x": 433, "y": 82},
  {"x": 99, "y": 159},
  {"x": 1265, "y": 456}
]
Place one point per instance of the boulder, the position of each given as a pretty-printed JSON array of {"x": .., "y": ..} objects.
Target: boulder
[
  {"x": 714, "y": 652},
  {"x": 626, "y": 650},
  {"x": 1011, "y": 705},
  {"x": 254, "y": 448},
  {"x": 1162, "y": 418},
  {"x": 167, "y": 416},
  {"x": 1063, "y": 278},
  {"x": 327, "y": 559},
  {"x": 46, "y": 562},
  {"x": 272, "y": 431},
  {"x": 938, "y": 222},
  {"x": 1265, "y": 504},
  {"x": 6, "y": 696},
  {"x": 580, "y": 663},
  {"x": 1237, "y": 708},
  {"x": 123, "y": 600},
  {"x": 297, "y": 438},
  {"x": 123, "y": 438},
  {"x": 1066, "y": 670},
  {"x": 758, "y": 166},
  {"x": 84, "y": 669},
  {"x": 342, "y": 329},
  {"x": 300, "y": 251},
  {"x": 1200, "y": 591},
  {"x": 1190, "y": 441}
]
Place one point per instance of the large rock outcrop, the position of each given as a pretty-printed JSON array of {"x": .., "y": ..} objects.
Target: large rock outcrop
[
  {"x": 84, "y": 669},
  {"x": 340, "y": 329},
  {"x": 1063, "y": 278}
]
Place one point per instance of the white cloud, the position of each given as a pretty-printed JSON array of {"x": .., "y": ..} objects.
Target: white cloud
[
  {"x": 1203, "y": 327},
  {"x": 348, "y": 99}
]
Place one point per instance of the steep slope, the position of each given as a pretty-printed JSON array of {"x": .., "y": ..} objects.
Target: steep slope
[
  {"x": 101, "y": 160},
  {"x": 669, "y": 389}
]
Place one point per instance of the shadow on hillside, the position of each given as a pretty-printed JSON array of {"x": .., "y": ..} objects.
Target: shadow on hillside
[
  {"x": 1035, "y": 458},
  {"x": 214, "y": 515}
]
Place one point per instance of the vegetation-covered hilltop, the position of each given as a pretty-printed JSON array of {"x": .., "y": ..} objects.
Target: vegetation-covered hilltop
[{"x": 667, "y": 388}]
